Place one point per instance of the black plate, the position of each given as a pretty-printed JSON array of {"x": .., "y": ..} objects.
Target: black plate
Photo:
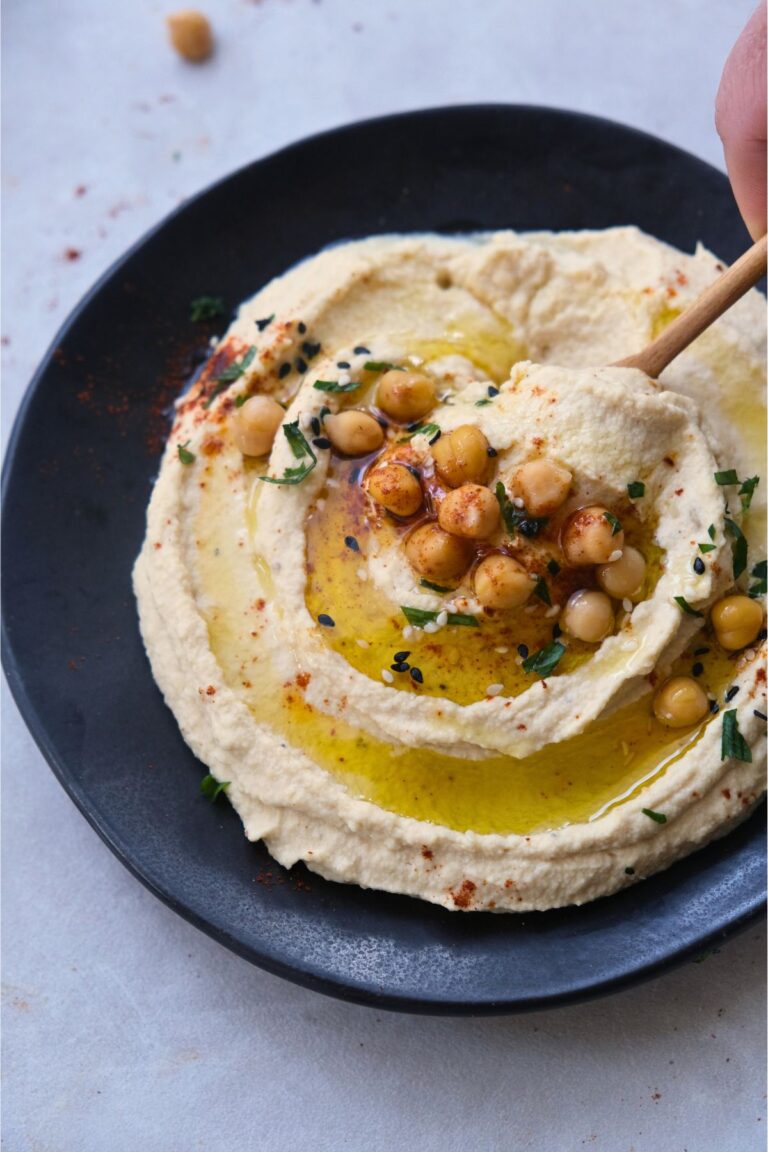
[{"x": 78, "y": 476}]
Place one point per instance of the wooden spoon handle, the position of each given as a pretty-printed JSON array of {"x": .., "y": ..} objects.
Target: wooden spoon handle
[{"x": 725, "y": 291}]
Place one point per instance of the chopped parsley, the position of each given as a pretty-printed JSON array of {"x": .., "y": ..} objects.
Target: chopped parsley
[
  {"x": 747, "y": 491},
  {"x": 759, "y": 574},
  {"x": 542, "y": 591},
  {"x": 658, "y": 817},
  {"x": 185, "y": 455},
  {"x": 212, "y": 788},
  {"x": 262, "y": 324},
  {"x": 241, "y": 399},
  {"x": 545, "y": 660},
  {"x": 683, "y": 603},
  {"x": 301, "y": 451},
  {"x": 418, "y": 617},
  {"x": 614, "y": 522},
  {"x": 235, "y": 370},
  {"x": 380, "y": 365},
  {"x": 482, "y": 403},
  {"x": 706, "y": 547},
  {"x": 334, "y": 386},
  {"x": 431, "y": 431},
  {"x": 738, "y": 547},
  {"x": 636, "y": 489},
  {"x": 734, "y": 746},
  {"x": 711, "y": 531},
  {"x": 206, "y": 308},
  {"x": 517, "y": 519},
  {"x": 433, "y": 587},
  {"x": 729, "y": 476}
]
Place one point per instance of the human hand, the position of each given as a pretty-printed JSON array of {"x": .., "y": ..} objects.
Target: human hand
[{"x": 740, "y": 118}]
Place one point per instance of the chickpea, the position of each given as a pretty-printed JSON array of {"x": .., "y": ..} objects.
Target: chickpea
[
  {"x": 543, "y": 486},
  {"x": 736, "y": 621},
  {"x": 501, "y": 582},
  {"x": 191, "y": 34},
  {"x": 680, "y": 702},
  {"x": 588, "y": 616},
  {"x": 354, "y": 433},
  {"x": 624, "y": 577},
  {"x": 395, "y": 488},
  {"x": 471, "y": 511},
  {"x": 256, "y": 424},
  {"x": 590, "y": 538},
  {"x": 405, "y": 396},
  {"x": 461, "y": 456},
  {"x": 438, "y": 555}
]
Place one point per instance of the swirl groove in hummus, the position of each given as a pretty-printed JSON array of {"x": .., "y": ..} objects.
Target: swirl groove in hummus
[{"x": 391, "y": 729}]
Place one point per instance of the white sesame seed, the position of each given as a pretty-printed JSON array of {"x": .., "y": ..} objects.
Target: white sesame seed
[
  {"x": 553, "y": 611},
  {"x": 494, "y": 689},
  {"x": 330, "y": 483},
  {"x": 518, "y": 502},
  {"x": 615, "y": 555},
  {"x": 501, "y": 651},
  {"x": 362, "y": 644},
  {"x": 362, "y": 574},
  {"x": 442, "y": 619},
  {"x": 750, "y": 654},
  {"x": 320, "y": 504},
  {"x": 345, "y": 378},
  {"x": 407, "y": 632},
  {"x": 518, "y": 660},
  {"x": 387, "y": 676},
  {"x": 431, "y": 626},
  {"x": 626, "y": 604}
]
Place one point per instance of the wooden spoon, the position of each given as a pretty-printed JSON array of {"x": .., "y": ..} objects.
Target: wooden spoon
[{"x": 683, "y": 330}]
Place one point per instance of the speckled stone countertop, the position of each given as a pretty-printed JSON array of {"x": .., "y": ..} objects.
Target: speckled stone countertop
[{"x": 124, "y": 1027}]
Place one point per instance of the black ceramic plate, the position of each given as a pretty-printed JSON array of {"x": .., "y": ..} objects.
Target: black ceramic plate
[{"x": 78, "y": 476}]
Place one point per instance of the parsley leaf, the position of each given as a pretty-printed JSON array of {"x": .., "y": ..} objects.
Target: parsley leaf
[
  {"x": 334, "y": 386},
  {"x": 747, "y": 491},
  {"x": 545, "y": 660},
  {"x": 733, "y": 744},
  {"x": 738, "y": 547},
  {"x": 301, "y": 451},
  {"x": 614, "y": 522},
  {"x": 727, "y": 477},
  {"x": 235, "y": 370},
  {"x": 517, "y": 519},
  {"x": 635, "y": 489},
  {"x": 420, "y": 616},
  {"x": 706, "y": 547},
  {"x": 659, "y": 817},
  {"x": 185, "y": 455},
  {"x": 206, "y": 308},
  {"x": 433, "y": 587},
  {"x": 759, "y": 574},
  {"x": 381, "y": 366},
  {"x": 211, "y": 788},
  {"x": 431, "y": 431},
  {"x": 683, "y": 603},
  {"x": 542, "y": 591}
]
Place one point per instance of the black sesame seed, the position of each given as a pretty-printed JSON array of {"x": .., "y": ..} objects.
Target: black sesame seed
[
  {"x": 321, "y": 442},
  {"x": 553, "y": 567},
  {"x": 352, "y": 543},
  {"x": 701, "y": 651},
  {"x": 310, "y": 349},
  {"x": 416, "y": 674},
  {"x": 556, "y": 631},
  {"x": 361, "y": 350},
  {"x": 301, "y": 365},
  {"x": 731, "y": 693},
  {"x": 492, "y": 451},
  {"x": 400, "y": 666},
  {"x": 413, "y": 471},
  {"x": 315, "y": 425},
  {"x": 382, "y": 422},
  {"x": 714, "y": 706},
  {"x": 283, "y": 370},
  {"x": 698, "y": 566},
  {"x": 522, "y": 650},
  {"x": 629, "y": 871},
  {"x": 492, "y": 391},
  {"x": 352, "y": 478},
  {"x": 697, "y": 668},
  {"x": 326, "y": 620},
  {"x": 301, "y": 327},
  {"x": 760, "y": 715},
  {"x": 400, "y": 656},
  {"x": 343, "y": 364},
  {"x": 762, "y": 634},
  {"x": 262, "y": 324}
]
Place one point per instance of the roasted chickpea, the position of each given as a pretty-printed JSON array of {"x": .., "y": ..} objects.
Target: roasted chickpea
[
  {"x": 191, "y": 34},
  {"x": 461, "y": 456},
  {"x": 405, "y": 396},
  {"x": 255, "y": 425},
  {"x": 588, "y": 616},
  {"x": 543, "y": 486},
  {"x": 471, "y": 511},
  {"x": 589, "y": 537},
  {"x": 501, "y": 582},
  {"x": 736, "y": 621},
  {"x": 395, "y": 488},
  {"x": 438, "y": 555},
  {"x": 680, "y": 702},
  {"x": 354, "y": 433},
  {"x": 624, "y": 577}
]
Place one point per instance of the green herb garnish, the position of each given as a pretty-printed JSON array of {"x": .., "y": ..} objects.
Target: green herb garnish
[
  {"x": 733, "y": 745},
  {"x": 482, "y": 403},
  {"x": 211, "y": 788},
  {"x": 706, "y": 547},
  {"x": 206, "y": 308},
  {"x": 738, "y": 547},
  {"x": 420, "y": 616},
  {"x": 301, "y": 450},
  {"x": 545, "y": 660},
  {"x": 659, "y": 817},
  {"x": 235, "y": 370},
  {"x": 729, "y": 476},
  {"x": 381, "y": 366},
  {"x": 635, "y": 489},
  {"x": 334, "y": 386},
  {"x": 747, "y": 491},
  {"x": 542, "y": 591},
  {"x": 711, "y": 532},
  {"x": 434, "y": 587},
  {"x": 759, "y": 574},
  {"x": 517, "y": 519},
  {"x": 614, "y": 522},
  {"x": 431, "y": 431},
  {"x": 683, "y": 603},
  {"x": 553, "y": 567},
  {"x": 185, "y": 455}
]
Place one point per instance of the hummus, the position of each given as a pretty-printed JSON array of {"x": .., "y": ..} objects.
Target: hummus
[{"x": 472, "y": 617}]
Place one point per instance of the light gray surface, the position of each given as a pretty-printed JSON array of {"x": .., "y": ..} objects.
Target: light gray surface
[{"x": 124, "y": 1028}]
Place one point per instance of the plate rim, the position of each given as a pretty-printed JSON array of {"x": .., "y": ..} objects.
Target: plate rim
[{"x": 309, "y": 975}]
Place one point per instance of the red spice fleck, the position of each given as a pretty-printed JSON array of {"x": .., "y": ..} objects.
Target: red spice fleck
[
  {"x": 261, "y": 604},
  {"x": 670, "y": 461},
  {"x": 760, "y": 675},
  {"x": 211, "y": 446},
  {"x": 303, "y": 679},
  {"x": 681, "y": 278},
  {"x": 72, "y": 254},
  {"x": 158, "y": 546},
  {"x": 537, "y": 441},
  {"x": 656, "y": 1096},
  {"x": 522, "y": 727},
  {"x": 246, "y": 683},
  {"x": 81, "y": 190},
  {"x": 210, "y": 690},
  {"x": 726, "y": 792},
  {"x": 679, "y": 491},
  {"x": 509, "y": 883},
  {"x": 427, "y": 853},
  {"x": 463, "y": 898},
  {"x": 671, "y": 292}
]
